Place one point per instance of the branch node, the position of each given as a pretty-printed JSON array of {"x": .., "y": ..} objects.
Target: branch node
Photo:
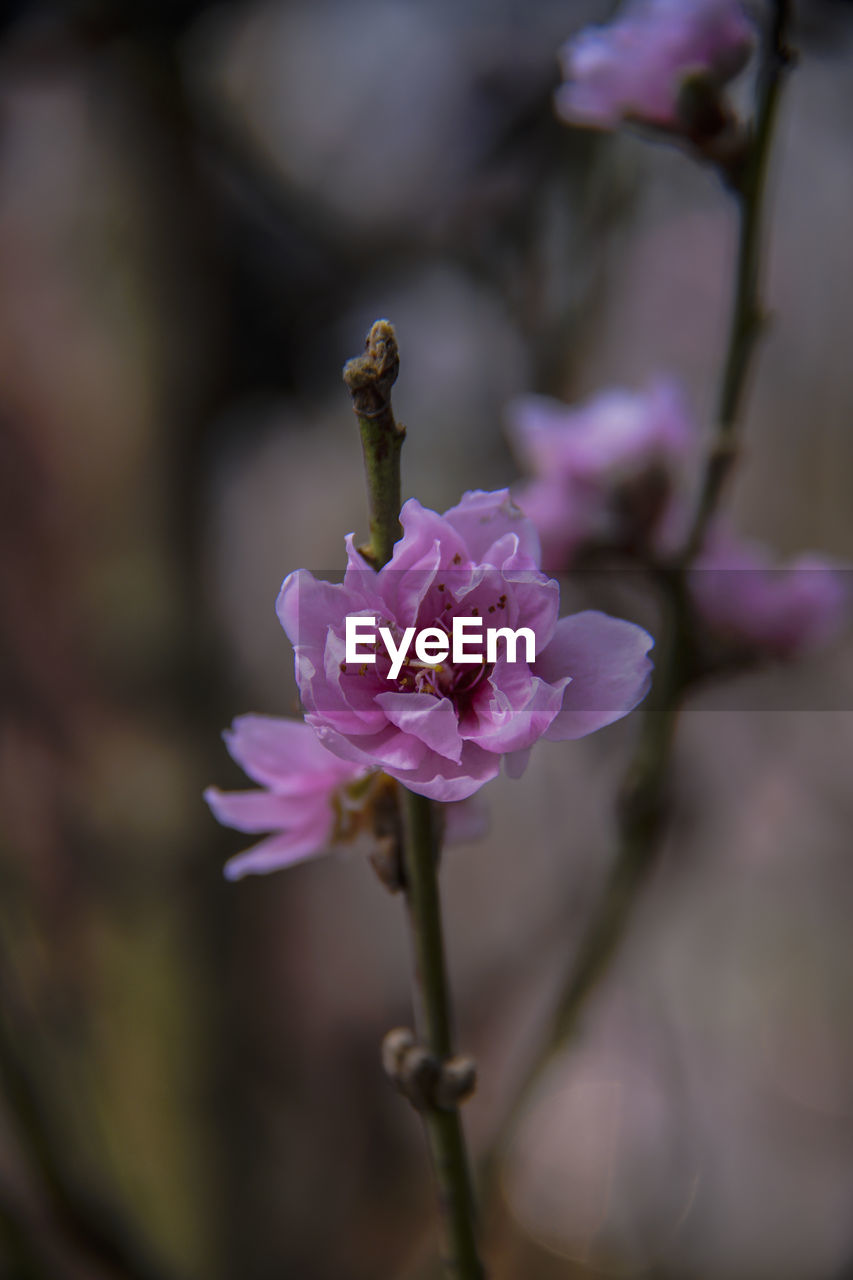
[{"x": 430, "y": 1085}]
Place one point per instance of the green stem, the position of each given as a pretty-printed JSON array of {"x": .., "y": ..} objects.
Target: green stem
[
  {"x": 370, "y": 378},
  {"x": 433, "y": 1025},
  {"x": 746, "y": 314}
]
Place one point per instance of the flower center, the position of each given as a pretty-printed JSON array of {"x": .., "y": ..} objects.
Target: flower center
[{"x": 445, "y": 679}]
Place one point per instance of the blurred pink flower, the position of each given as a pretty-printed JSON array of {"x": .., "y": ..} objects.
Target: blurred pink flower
[
  {"x": 781, "y": 611},
  {"x": 604, "y": 471},
  {"x": 635, "y": 67},
  {"x": 305, "y": 792},
  {"x": 442, "y": 728},
  {"x": 564, "y": 515}
]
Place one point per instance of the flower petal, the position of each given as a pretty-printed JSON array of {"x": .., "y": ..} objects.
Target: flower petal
[
  {"x": 307, "y": 605},
  {"x": 389, "y": 750},
  {"x": 610, "y": 672},
  {"x": 442, "y": 779},
  {"x": 484, "y": 519},
  {"x": 432, "y": 720},
  {"x": 277, "y": 852},
  {"x": 512, "y": 709},
  {"x": 283, "y": 754},
  {"x": 257, "y": 811}
]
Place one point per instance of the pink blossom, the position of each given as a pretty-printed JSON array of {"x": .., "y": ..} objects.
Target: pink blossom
[
  {"x": 443, "y": 729},
  {"x": 750, "y": 603},
  {"x": 601, "y": 468},
  {"x": 302, "y": 785},
  {"x": 635, "y": 67},
  {"x": 311, "y": 799}
]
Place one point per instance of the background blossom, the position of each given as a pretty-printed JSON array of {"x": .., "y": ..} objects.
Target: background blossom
[
  {"x": 602, "y": 471},
  {"x": 635, "y": 67},
  {"x": 783, "y": 610}
]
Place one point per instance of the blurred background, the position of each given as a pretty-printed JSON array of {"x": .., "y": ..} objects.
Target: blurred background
[{"x": 203, "y": 206}]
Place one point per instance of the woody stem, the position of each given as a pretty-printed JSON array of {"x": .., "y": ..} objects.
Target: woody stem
[{"x": 369, "y": 378}]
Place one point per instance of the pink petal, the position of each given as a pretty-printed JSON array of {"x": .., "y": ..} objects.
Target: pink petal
[
  {"x": 422, "y": 530},
  {"x": 395, "y": 592},
  {"x": 484, "y": 519},
  {"x": 442, "y": 779},
  {"x": 283, "y": 754},
  {"x": 610, "y": 672},
  {"x": 389, "y": 750},
  {"x": 277, "y": 852},
  {"x": 512, "y": 709},
  {"x": 347, "y": 696},
  {"x": 256, "y": 811},
  {"x": 429, "y": 719},
  {"x": 307, "y": 605}
]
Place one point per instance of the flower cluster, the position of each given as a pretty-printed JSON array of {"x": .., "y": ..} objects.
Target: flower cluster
[{"x": 637, "y": 67}]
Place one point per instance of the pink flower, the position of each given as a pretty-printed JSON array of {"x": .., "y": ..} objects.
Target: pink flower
[
  {"x": 304, "y": 795},
  {"x": 441, "y": 728},
  {"x": 604, "y": 471},
  {"x": 635, "y": 67},
  {"x": 751, "y": 604},
  {"x": 311, "y": 799}
]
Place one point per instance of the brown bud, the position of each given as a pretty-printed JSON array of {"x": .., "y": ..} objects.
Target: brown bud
[
  {"x": 411, "y": 1067},
  {"x": 371, "y": 376},
  {"x": 457, "y": 1081},
  {"x": 418, "y": 1077},
  {"x": 395, "y": 1045}
]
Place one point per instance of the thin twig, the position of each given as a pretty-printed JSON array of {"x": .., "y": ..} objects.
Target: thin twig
[
  {"x": 747, "y": 313},
  {"x": 642, "y": 801},
  {"x": 370, "y": 378},
  {"x": 433, "y": 1024}
]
